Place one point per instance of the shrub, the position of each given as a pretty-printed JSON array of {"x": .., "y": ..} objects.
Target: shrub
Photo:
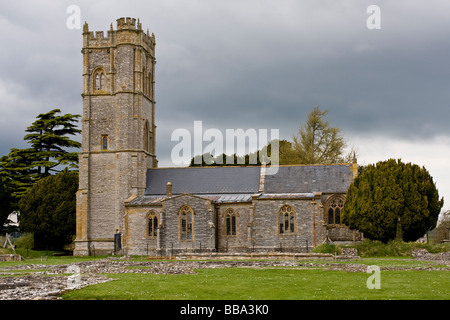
[
  {"x": 327, "y": 248},
  {"x": 374, "y": 248},
  {"x": 371, "y": 248}
]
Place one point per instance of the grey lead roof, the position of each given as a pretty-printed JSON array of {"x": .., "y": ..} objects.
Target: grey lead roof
[
  {"x": 245, "y": 180},
  {"x": 203, "y": 180},
  {"x": 312, "y": 178}
]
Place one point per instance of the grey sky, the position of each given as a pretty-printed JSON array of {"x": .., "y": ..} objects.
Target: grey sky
[{"x": 253, "y": 64}]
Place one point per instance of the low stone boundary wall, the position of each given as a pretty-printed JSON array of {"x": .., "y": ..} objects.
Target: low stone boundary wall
[
  {"x": 246, "y": 256},
  {"x": 10, "y": 257}
]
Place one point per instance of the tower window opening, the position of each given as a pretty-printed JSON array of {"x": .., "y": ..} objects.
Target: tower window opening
[
  {"x": 99, "y": 80},
  {"x": 104, "y": 142}
]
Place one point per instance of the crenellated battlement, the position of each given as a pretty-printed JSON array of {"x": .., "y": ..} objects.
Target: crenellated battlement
[
  {"x": 128, "y": 23},
  {"x": 137, "y": 36}
]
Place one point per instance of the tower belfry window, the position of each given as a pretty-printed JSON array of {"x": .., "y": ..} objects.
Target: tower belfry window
[
  {"x": 99, "y": 80},
  {"x": 104, "y": 142}
]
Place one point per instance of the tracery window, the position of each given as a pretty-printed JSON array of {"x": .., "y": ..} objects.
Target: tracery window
[
  {"x": 152, "y": 225},
  {"x": 334, "y": 210},
  {"x": 230, "y": 222},
  {"x": 286, "y": 220},
  {"x": 99, "y": 80},
  {"x": 186, "y": 223}
]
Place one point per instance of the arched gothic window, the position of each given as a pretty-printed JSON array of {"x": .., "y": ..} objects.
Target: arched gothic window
[
  {"x": 104, "y": 142},
  {"x": 286, "y": 220},
  {"x": 152, "y": 224},
  {"x": 99, "y": 80},
  {"x": 230, "y": 220},
  {"x": 186, "y": 223},
  {"x": 334, "y": 209}
]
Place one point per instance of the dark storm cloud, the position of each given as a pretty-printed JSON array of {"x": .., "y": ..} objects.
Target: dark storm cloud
[
  {"x": 389, "y": 81},
  {"x": 245, "y": 64}
]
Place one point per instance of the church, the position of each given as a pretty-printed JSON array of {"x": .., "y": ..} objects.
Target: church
[{"x": 126, "y": 204}]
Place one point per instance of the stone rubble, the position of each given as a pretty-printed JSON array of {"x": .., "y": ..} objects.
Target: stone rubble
[
  {"x": 49, "y": 282},
  {"x": 423, "y": 254}
]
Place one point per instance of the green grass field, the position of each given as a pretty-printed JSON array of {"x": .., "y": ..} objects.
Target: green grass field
[
  {"x": 302, "y": 283},
  {"x": 270, "y": 284}
]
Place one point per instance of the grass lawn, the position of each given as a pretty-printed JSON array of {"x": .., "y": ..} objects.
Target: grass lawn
[{"x": 269, "y": 284}]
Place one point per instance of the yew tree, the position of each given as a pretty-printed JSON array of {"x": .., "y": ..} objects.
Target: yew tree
[{"x": 392, "y": 196}]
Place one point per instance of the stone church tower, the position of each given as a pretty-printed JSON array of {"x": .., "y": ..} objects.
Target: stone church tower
[{"x": 118, "y": 130}]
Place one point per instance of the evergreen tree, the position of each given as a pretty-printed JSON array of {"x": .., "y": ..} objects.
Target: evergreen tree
[
  {"x": 286, "y": 156},
  {"x": 48, "y": 210},
  {"x": 391, "y": 195},
  {"x": 5, "y": 202},
  {"x": 48, "y": 137},
  {"x": 16, "y": 169}
]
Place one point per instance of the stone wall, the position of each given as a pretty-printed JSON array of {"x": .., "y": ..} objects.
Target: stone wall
[
  {"x": 136, "y": 240},
  {"x": 266, "y": 235},
  {"x": 341, "y": 234},
  {"x": 257, "y": 227},
  {"x": 239, "y": 242},
  {"x": 203, "y": 233},
  {"x": 10, "y": 257}
]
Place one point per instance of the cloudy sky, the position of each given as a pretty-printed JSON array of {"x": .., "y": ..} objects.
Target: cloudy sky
[{"x": 253, "y": 64}]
